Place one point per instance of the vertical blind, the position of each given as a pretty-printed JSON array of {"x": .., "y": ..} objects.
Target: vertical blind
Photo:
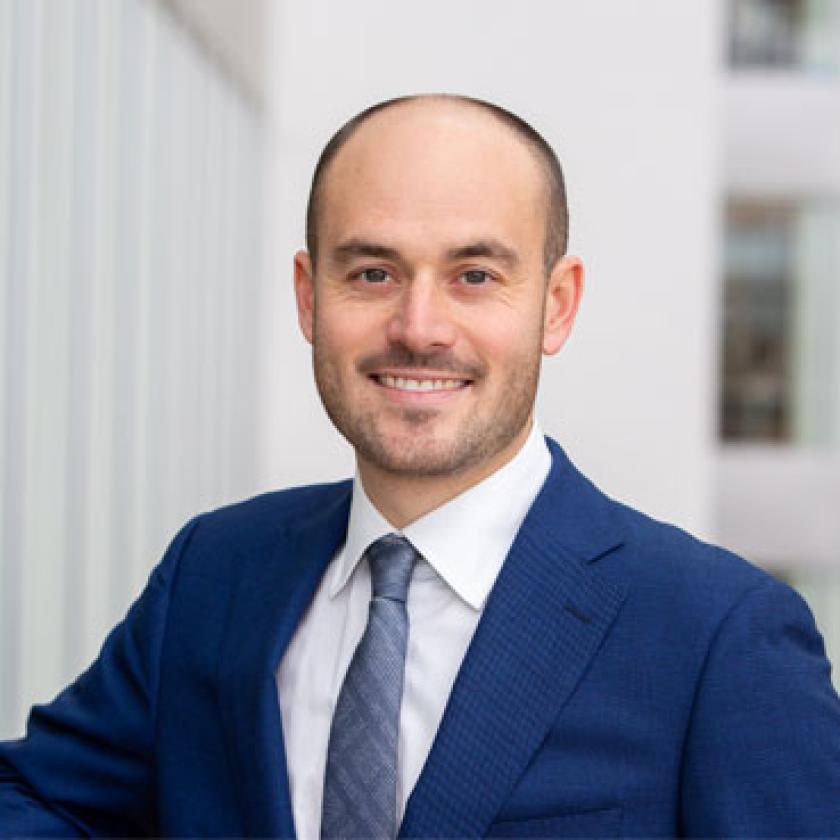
[{"x": 129, "y": 291}]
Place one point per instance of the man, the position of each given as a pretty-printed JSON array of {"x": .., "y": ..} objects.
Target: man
[{"x": 536, "y": 659}]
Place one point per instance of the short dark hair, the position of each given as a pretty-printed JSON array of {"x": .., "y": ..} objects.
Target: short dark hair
[{"x": 557, "y": 211}]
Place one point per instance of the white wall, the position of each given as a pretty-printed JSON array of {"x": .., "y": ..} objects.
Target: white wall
[
  {"x": 627, "y": 92},
  {"x": 233, "y": 31}
]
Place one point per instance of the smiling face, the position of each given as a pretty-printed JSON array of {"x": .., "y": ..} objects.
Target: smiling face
[{"x": 429, "y": 307}]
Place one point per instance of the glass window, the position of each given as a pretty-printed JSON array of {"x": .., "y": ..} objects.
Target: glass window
[
  {"x": 756, "y": 337},
  {"x": 795, "y": 34},
  {"x": 781, "y": 321}
]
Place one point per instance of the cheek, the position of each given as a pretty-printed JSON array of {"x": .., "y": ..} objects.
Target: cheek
[
  {"x": 342, "y": 337},
  {"x": 506, "y": 337}
]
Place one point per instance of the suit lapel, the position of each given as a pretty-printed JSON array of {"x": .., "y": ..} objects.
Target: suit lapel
[
  {"x": 546, "y": 617},
  {"x": 275, "y": 588}
]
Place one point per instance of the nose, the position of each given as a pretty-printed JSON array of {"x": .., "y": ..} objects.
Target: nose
[{"x": 422, "y": 320}]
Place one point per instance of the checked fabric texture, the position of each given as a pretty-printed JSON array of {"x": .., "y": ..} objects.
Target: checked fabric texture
[{"x": 360, "y": 784}]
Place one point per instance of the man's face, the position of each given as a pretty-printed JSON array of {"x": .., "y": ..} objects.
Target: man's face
[{"x": 427, "y": 307}]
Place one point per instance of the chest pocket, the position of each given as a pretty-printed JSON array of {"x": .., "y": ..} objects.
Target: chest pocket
[{"x": 605, "y": 822}]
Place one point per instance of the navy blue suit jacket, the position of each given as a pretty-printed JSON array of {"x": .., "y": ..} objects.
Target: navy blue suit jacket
[{"x": 625, "y": 680}]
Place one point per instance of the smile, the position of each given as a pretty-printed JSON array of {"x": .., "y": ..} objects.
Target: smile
[{"x": 402, "y": 383}]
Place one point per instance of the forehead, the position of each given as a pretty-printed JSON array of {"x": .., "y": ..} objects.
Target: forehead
[{"x": 437, "y": 170}]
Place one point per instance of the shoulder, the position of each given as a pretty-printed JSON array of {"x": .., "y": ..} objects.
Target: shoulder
[
  {"x": 662, "y": 549},
  {"x": 703, "y": 592},
  {"x": 707, "y": 611},
  {"x": 666, "y": 571},
  {"x": 278, "y": 507},
  {"x": 215, "y": 542}
]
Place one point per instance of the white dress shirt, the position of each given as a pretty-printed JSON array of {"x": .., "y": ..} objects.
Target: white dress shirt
[{"x": 463, "y": 544}]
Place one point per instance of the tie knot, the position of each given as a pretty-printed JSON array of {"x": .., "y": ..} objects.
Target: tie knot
[{"x": 391, "y": 560}]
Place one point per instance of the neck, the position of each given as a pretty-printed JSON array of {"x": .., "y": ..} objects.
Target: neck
[{"x": 402, "y": 498}]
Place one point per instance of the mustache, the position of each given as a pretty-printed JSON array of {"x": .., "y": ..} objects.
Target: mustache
[{"x": 439, "y": 360}]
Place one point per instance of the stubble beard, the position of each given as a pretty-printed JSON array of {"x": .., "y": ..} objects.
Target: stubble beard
[{"x": 417, "y": 450}]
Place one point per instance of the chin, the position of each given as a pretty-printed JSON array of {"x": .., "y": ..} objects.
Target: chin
[
  {"x": 416, "y": 467},
  {"x": 408, "y": 455}
]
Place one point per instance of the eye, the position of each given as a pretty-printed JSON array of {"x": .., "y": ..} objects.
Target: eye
[
  {"x": 476, "y": 277},
  {"x": 374, "y": 275}
]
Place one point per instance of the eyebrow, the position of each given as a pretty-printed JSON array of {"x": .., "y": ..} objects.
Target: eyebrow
[
  {"x": 487, "y": 249},
  {"x": 482, "y": 248},
  {"x": 353, "y": 248}
]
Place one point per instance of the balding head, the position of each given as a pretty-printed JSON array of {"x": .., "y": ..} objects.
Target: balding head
[
  {"x": 552, "y": 194},
  {"x": 431, "y": 307}
]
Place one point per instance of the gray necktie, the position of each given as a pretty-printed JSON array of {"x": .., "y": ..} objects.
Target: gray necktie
[{"x": 360, "y": 783}]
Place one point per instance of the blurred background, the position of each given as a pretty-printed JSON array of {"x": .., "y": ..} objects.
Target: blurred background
[{"x": 155, "y": 157}]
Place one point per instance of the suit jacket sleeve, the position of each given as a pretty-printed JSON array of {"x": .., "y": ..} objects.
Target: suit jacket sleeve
[
  {"x": 762, "y": 755},
  {"x": 84, "y": 766}
]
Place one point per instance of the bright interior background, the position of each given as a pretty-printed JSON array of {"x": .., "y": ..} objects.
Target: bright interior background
[{"x": 155, "y": 157}]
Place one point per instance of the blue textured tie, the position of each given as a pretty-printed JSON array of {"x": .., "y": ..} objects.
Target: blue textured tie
[{"x": 360, "y": 783}]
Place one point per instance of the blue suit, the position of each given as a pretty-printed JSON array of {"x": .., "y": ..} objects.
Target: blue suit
[{"x": 624, "y": 680}]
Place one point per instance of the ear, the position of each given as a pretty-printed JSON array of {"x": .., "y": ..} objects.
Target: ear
[
  {"x": 305, "y": 293},
  {"x": 563, "y": 294}
]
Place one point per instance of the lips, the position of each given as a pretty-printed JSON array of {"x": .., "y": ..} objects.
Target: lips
[{"x": 410, "y": 384}]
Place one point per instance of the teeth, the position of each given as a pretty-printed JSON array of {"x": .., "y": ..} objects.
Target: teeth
[{"x": 420, "y": 384}]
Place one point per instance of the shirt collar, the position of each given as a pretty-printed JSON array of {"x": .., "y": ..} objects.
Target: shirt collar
[{"x": 465, "y": 540}]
